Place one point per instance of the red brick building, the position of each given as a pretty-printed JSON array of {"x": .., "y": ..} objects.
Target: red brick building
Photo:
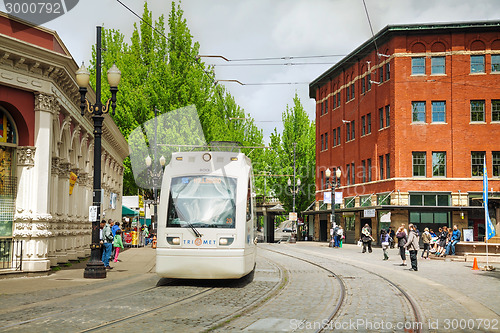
[{"x": 409, "y": 117}]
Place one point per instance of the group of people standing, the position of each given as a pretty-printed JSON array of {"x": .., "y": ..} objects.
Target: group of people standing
[
  {"x": 111, "y": 241},
  {"x": 440, "y": 244}
]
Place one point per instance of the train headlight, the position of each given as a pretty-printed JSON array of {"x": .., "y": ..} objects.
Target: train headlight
[
  {"x": 173, "y": 240},
  {"x": 225, "y": 241}
]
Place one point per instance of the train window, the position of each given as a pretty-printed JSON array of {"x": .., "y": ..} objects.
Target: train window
[{"x": 202, "y": 202}]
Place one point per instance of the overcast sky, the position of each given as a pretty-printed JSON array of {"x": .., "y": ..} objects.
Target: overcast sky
[{"x": 241, "y": 29}]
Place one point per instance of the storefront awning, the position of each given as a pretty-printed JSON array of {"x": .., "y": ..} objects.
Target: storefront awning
[{"x": 128, "y": 212}]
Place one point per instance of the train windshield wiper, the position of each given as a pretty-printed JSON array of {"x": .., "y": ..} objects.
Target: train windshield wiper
[{"x": 196, "y": 232}]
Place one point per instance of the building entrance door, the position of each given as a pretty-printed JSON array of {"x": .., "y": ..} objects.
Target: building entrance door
[{"x": 323, "y": 235}]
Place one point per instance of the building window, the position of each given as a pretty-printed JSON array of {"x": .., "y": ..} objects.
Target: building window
[
  {"x": 363, "y": 166},
  {"x": 438, "y": 65},
  {"x": 495, "y": 63},
  {"x": 387, "y": 115},
  {"x": 369, "y": 167},
  {"x": 439, "y": 164},
  {"x": 353, "y": 174},
  {"x": 438, "y": 111},
  {"x": 381, "y": 118},
  {"x": 477, "y": 163},
  {"x": 363, "y": 87},
  {"x": 387, "y": 166},
  {"x": 440, "y": 218},
  {"x": 338, "y": 99},
  {"x": 365, "y": 200},
  {"x": 368, "y": 123},
  {"x": 387, "y": 71},
  {"x": 495, "y": 110},
  {"x": 338, "y": 135},
  {"x": 353, "y": 127},
  {"x": 326, "y": 106},
  {"x": 348, "y": 132},
  {"x": 384, "y": 199},
  {"x": 477, "y": 111},
  {"x": 369, "y": 81},
  {"x": 477, "y": 63},
  {"x": 334, "y": 102},
  {"x": 321, "y": 108},
  {"x": 322, "y": 142},
  {"x": 334, "y": 136},
  {"x": 381, "y": 166},
  {"x": 381, "y": 74},
  {"x": 348, "y": 177},
  {"x": 429, "y": 199},
  {"x": 418, "y": 112},
  {"x": 322, "y": 179},
  {"x": 352, "y": 91},
  {"x": 496, "y": 163},
  {"x": 363, "y": 125},
  {"x": 349, "y": 202},
  {"x": 326, "y": 141},
  {"x": 418, "y": 164},
  {"x": 347, "y": 94},
  {"x": 417, "y": 65}
]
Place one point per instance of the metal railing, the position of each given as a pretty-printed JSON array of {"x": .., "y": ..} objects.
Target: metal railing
[{"x": 11, "y": 254}]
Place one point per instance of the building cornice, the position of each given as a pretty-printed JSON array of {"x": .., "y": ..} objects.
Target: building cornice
[{"x": 393, "y": 30}]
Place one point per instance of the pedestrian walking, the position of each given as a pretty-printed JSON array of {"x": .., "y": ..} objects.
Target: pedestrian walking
[
  {"x": 384, "y": 241},
  {"x": 340, "y": 233},
  {"x": 413, "y": 247},
  {"x": 392, "y": 235},
  {"x": 117, "y": 244},
  {"x": 145, "y": 234},
  {"x": 402, "y": 237},
  {"x": 366, "y": 238},
  {"x": 107, "y": 239},
  {"x": 426, "y": 239},
  {"x": 101, "y": 248}
]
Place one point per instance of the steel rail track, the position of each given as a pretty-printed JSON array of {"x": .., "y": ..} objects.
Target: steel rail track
[{"x": 410, "y": 300}]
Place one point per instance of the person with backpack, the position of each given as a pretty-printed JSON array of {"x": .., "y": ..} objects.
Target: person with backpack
[
  {"x": 107, "y": 239},
  {"x": 426, "y": 239},
  {"x": 336, "y": 242}
]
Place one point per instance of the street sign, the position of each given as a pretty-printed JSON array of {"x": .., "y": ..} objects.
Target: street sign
[
  {"x": 327, "y": 197},
  {"x": 369, "y": 213},
  {"x": 292, "y": 216},
  {"x": 92, "y": 213}
]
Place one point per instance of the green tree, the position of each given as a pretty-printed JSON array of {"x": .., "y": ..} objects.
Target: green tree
[
  {"x": 161, "y": 70},
  {"x": 298, "y": 132}
]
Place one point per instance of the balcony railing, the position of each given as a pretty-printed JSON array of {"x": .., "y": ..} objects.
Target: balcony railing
[{"x": 11, "y": 254}]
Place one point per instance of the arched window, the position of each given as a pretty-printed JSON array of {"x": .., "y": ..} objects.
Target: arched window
[{"x": 8, "y": 182}]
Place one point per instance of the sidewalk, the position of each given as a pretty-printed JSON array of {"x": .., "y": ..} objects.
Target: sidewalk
[{"x": 136, "y": 263}]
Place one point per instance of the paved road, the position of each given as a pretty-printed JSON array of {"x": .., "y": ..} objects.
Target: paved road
[{"x": 296, "y": 287}]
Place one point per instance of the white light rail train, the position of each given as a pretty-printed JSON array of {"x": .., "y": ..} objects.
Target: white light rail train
[{"x": 206, "y": 217}]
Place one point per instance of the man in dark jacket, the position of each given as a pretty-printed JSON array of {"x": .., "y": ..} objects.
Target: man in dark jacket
[{"x": 413, "y": 247}]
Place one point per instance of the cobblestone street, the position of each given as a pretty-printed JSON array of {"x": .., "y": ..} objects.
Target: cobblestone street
[{"x": 295, "y": 287}]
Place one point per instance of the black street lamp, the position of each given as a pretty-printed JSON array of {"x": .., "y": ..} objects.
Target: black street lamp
[
  {"x": 95, "y": 268},
  {"x": 294, "y": 190},
  {"x": 334, "y": 183}
]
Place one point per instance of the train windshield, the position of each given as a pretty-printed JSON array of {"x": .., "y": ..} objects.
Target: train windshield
[{"x": 202, "y": 202}]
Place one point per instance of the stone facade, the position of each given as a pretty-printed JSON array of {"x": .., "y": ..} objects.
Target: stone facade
[{"x": 40, "y": 99}]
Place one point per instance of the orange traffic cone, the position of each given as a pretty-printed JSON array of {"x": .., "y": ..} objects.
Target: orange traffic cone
[
  {"x": 474, "y": 266},
  {"x": 153, "y": 245}
]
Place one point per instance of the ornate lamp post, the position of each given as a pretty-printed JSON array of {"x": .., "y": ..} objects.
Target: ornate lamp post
[
  {"x": 334, "y": 183},
  {"x": 155, "y": 175},
  {"x": 95, "y": 268}
]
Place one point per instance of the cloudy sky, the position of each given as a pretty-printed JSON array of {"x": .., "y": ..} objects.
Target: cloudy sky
[{"x": 254, "y": 29}]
